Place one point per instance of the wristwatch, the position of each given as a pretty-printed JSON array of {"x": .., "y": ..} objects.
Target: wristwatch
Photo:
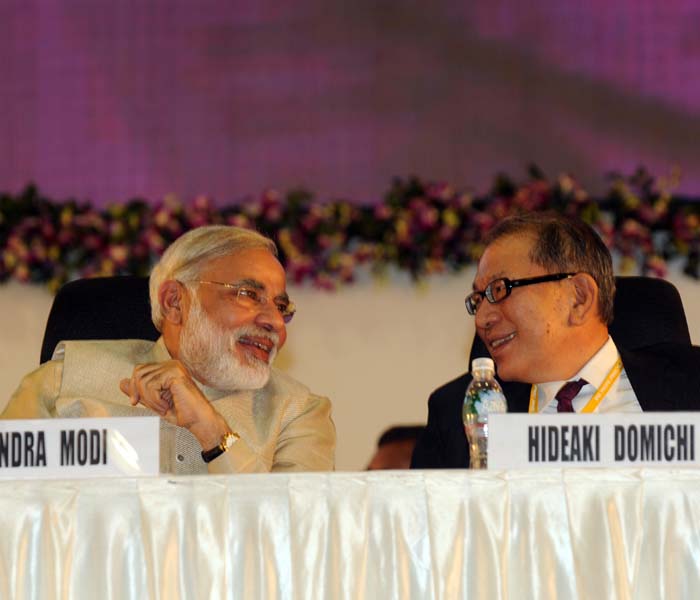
[{"x": 228, "y": 440}]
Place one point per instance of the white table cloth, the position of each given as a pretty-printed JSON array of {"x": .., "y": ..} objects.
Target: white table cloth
[{"x": 536, "y": 534}]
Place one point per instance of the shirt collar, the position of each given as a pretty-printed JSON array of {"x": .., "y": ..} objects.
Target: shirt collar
[
  {"x": 594, "y": 372},
  {"x": 160, "y": 351}
]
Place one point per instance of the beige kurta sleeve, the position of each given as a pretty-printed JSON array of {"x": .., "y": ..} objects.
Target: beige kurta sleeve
[
  {"x": 305, "y": 442},
  {"x": 35, "y": 398}
]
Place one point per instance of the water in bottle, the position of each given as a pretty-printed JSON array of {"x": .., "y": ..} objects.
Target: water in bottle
[{"x": 483, "y": 396}]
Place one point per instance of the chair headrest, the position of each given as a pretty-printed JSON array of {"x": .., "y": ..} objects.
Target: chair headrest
[{"x": 103, "y": 308}]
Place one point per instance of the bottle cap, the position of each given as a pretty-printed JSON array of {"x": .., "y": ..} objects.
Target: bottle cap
[{"x": 482, "y": 364}]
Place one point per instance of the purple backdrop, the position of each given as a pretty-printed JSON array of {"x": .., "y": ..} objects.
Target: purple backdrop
[{"x": 107, "y": 100}]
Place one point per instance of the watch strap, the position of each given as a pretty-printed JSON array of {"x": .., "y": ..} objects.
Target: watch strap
[{"x": 226, "y": 442}]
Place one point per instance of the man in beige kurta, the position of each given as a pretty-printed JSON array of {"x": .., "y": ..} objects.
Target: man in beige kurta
[{"x": 223, "y": 408}]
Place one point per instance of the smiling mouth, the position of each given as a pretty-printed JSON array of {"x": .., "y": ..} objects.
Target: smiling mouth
[
  {"x": 497, "y": 343},
  {"x": 261, "y": 347}
]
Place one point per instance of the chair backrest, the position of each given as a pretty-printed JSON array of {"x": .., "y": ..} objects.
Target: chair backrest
[
  {"x": 646, "y": 311},
  {"x": 103, "y": 308}
]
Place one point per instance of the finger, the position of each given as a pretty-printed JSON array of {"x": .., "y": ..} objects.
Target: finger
[
  {"x": 167, "y": 395},
  {"x": 144, "y": 370},
  {"x": 153, "y": 388},
  {"x": 127, "y": 386},
  {"x": 149, "y": 392},
  {"x": 159, "y": 384},
  {"x": 138, "y": 391}
]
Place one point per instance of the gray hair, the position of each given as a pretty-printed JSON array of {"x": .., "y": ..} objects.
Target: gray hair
[
  {"x": 564, "y": 244},
  {"x": 186, "y": 256}
]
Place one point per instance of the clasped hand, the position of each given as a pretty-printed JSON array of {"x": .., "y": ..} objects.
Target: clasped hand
[{"x": 168, "y": 389}]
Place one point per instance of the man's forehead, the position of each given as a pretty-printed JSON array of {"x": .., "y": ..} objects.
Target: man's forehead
[
  {"x": 482, "y": 280},
  {"x": 254, "y": 264},
  {"x": 502, "y": 258},
  {"x": 251, "y": 259},
  {"x": 515, "y": 245}
]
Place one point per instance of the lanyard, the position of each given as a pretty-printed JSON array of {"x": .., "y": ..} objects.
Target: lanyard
[{"x": 593, "y": 403}]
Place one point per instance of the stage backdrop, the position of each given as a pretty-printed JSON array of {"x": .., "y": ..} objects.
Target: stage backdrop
[
  {"x": 106, "y": 100},
  {"x": 376, "y": 348}
]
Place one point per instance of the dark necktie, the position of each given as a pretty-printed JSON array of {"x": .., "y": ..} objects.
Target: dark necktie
[{"x": 567, "y": 393}]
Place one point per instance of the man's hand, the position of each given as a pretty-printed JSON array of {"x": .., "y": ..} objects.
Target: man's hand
[{"x": 168, "y": 389}]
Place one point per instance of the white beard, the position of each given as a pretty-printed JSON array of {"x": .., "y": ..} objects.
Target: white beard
[{"x": 209, "y": 353}]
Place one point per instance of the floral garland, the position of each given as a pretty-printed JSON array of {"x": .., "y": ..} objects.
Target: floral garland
[{"x": 421, "y": 227}]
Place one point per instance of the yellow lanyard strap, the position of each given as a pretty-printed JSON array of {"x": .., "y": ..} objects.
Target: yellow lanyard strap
[{"x": 597, "y": 398}]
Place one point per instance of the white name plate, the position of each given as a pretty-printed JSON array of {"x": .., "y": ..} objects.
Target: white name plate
[
  {"x": 520, "y": 441},
  {"x": 79, "y": 448}
]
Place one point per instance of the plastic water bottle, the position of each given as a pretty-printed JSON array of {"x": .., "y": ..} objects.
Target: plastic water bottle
[{"x": 483, "y": 396}]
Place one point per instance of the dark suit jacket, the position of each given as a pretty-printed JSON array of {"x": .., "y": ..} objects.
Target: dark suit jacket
[{"x": 665, "y": 377}]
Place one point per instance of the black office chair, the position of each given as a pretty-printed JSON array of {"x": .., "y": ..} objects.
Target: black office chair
[
  {"x": 646, "y": 311},
  {"x": 103, "y": 308}
]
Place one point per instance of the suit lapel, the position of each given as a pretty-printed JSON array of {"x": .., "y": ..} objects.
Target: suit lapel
[
  {"x": 650, "y": 377},
  {"x": 517, "y": 395}
]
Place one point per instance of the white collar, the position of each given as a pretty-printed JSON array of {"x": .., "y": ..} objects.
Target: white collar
[{"x": 594, "y": 372}]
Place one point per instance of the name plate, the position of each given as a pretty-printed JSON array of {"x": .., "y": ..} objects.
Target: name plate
[
  {"x": 521, "y": 441},
  {"x": 79, "y": 448}
]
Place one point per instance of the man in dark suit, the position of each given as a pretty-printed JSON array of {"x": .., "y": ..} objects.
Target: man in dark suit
[{"x": 542, "y": 301}]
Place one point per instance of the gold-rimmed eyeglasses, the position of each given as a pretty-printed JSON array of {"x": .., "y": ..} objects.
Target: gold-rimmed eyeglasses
[{"x": 249, "y": 297}]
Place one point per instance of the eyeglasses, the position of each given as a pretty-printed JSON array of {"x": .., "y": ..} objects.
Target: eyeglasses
[
  {"x": 248, "y": 297},
  {"x": 499, "y": 289}
]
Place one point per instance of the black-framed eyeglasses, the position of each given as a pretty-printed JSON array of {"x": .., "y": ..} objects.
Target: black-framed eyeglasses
[
  {"x": 499, "y": 289},
  {"x": 248, "y": 297}
]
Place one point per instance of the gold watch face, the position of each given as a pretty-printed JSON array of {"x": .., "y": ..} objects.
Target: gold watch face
[{"x": 229, "y": 440}]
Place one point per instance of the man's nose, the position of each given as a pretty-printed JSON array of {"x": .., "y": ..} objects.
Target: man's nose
[
  {"x": 486, "y": 314},
  {"x": 270, "y": 318}
]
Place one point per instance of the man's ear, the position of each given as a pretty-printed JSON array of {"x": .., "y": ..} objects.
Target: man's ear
[
  {"x": 585, "y": 298},
  {"x": 171, "y": 295}
]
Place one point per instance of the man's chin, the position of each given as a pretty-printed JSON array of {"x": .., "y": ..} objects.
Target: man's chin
[
  {"x": 251, "y": 360},
  {"x": 244, "y": 378},
  {"x": 515, "y": 375},
  {"x": 504, "y": 372},
  {"x": 255, "y": 380}
]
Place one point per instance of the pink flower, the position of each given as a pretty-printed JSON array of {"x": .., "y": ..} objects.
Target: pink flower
[
  {"x": 155, "y": 241},
  {"x": 365, "y": 252},
  {"x": 324, "y": 282},
  {"x": 202, "y": 203},
  {"x": 655, "y": 266},
  {"x": 428, "y": 216},
  {"x": 464, "y": 201},
  {"x": 382, "y": 212},
  {"x": 253, "y": 209},
  {"x": 21, "y": 272},
  {"x": 47, "y": 230},
  {"x": 273, "y": 213},
  {"x": 162, "y": 217},
  {"x": 119, "y": 253},
  {"x": 92, "y": 241},
  {"x": 271, "y": 197}
]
